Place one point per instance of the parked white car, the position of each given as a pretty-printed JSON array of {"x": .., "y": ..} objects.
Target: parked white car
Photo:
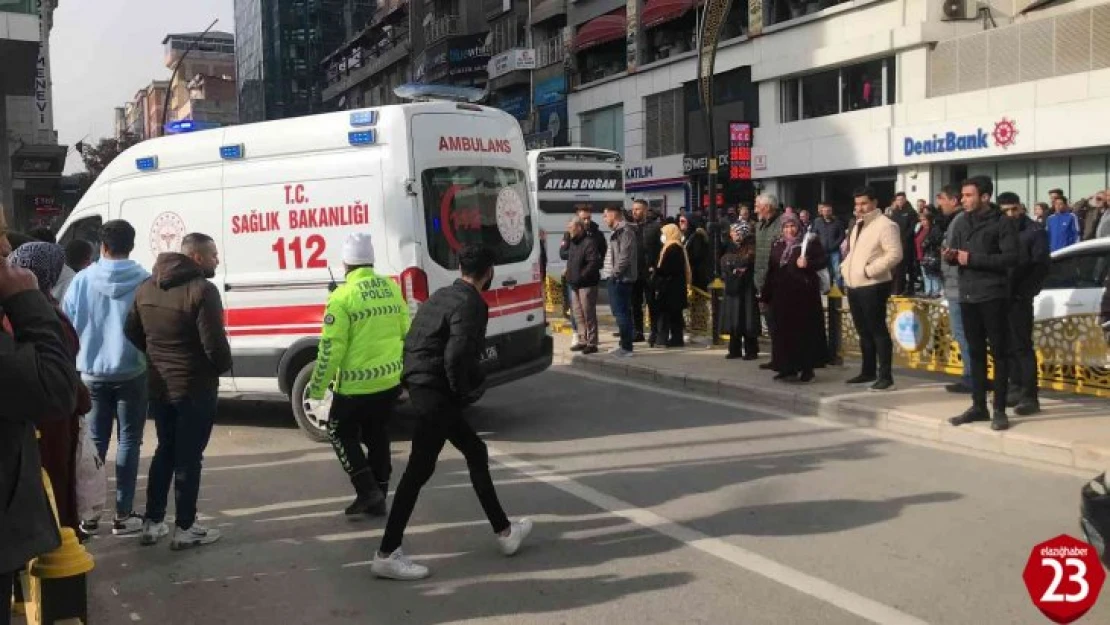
[{"x": 1077, "y": 282}]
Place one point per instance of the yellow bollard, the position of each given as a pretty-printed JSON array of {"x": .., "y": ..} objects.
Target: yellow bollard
[{"x": 55, "y": 585}]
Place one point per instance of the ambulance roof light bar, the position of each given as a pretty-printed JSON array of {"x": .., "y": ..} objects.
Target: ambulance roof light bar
[{"x": 417, "y": 92}]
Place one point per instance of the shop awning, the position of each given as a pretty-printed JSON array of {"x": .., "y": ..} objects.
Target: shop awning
[
  {"x": 603, "y": 29},
  {"x": 658, "y": 11}
]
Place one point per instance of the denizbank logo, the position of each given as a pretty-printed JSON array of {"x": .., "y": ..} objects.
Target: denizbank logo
[{"x": 1003, "y": 136}]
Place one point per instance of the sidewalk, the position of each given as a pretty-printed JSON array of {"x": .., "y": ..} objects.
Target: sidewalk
[{"x": 1073, "y": 431}]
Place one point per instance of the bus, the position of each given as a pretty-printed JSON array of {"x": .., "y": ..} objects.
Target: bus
[{"x": 564, "y": 179}]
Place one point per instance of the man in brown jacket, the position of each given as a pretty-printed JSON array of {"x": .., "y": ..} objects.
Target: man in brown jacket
[
  {"x": 178, "y": 321},
  {"x": 875, "y": 251}
]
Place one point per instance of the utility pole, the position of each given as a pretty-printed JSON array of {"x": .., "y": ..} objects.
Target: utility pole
[{"x": 176, "y": 68}]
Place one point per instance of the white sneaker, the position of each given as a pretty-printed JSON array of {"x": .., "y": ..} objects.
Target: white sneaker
[
  {"x": 153, "y": 532},
  {"x": 518, "y": 531},
  {"x": 91, "y": 526},
  {"x": 131, "y": 524},
  {"x": 195, "y": 536},
  {"x": 398, "y": 566},
  {"x": 574, "y": 339},
  {"x": 620, "y": 353}
]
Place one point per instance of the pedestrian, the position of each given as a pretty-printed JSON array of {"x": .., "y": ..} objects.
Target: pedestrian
[
  {"x": 948, "y": 200},
  {"x": 1040, "y": 213},
  {"x": 672, "y": 282},
  {"x": 1026, "y": 279},
  {"x": 1094, "y": 209},
  {"x": 359, "y": 357},
  {"x": 793, "y": 291},
  {"x": 805, "y": 220},
  {"x": 39, "y": 383},
  {"x": 620, "y": 267},
  {"x": 906, "y": 218},
  {"x": 985, "y": 245},
  {"x": 830, "y": 232},
  {"x": 767, "y": 231},
  {"x": 582, "y": 212},
  {"x": 739, "y": 315},
  {"x": 583, "y": 275},
  {"x": 875, "y": 253},
  {"x": 177, "y": 320},
  {"x": 98, "y": 302},
  {"x": 927, "y": 243},
  {"x": 1063, "y": 226},
  {"x": 651, "y": 232},
  {"x": 640, "y": 222},
  {"x": 58, "y": 435},
  {"x": 443, "y": 377},
  {"x": 79, "y": 255},
  {"x": 698, "y": 249}
]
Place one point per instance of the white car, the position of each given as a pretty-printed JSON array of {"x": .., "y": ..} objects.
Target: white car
[{"x": 1076, "y": 283}]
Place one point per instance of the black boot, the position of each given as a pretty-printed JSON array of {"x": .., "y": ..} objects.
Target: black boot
[
  {"x": 999, "y": 421},
  {"x": 1028, "y": 406},
  {"x": 971, "y": 415},
  {"x": 381, "y": 509},
  {"x": 369, "y": 495}
]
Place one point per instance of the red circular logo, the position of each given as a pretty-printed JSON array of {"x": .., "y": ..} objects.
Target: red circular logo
[
  {"x": 166, "y": 232},
  {"x": 1005, "y": 133},
  {"x": 1064, "y": 577}
]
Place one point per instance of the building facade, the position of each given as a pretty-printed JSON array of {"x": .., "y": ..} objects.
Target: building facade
[
  {"x": 203, "y": 86},
  {"x": 31, "y": 161},
  {"x": 900, "y": 94},
  {"x": 280, "y": 46}
]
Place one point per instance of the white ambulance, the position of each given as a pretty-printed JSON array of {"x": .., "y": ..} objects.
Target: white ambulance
[{"x": 281, "y": 197}]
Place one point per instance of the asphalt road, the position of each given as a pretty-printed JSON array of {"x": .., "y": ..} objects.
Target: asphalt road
[{"x": 650, "y": 507}]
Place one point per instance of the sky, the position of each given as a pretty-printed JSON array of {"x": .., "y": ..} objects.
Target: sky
[{"x": 103, "y": 51}]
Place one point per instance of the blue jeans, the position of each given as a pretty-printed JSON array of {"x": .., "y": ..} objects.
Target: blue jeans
[
  {"x": 931, "y": 282},
  {"x": 620, "y": 302},
  {"x": 956, "y": 320},
  {"x": 834, "y": 268},
  {"x": 184, "y": 427},
  {"x": 120, "y": 406},
  {"x": 568, "y": 296}
]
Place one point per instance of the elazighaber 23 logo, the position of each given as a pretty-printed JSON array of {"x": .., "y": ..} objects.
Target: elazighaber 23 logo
[{"x": 1064, "y": 577}]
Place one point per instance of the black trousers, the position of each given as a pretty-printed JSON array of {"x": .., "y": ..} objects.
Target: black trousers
[
  {"x": 984, "y": 323},
  {"x": 1023, "y": 358},
  {"x": 672, "y": 327},
  {"x": 654, "y": 310},
  {"x": 440, "y": 420},
  {"x": 358, "y": 420},
  {"x": 868, "y": 306},
  {"x": 7, "y": 587},
  {"x": 739, "y": 345},
  {"x": 639, "y": 297}
]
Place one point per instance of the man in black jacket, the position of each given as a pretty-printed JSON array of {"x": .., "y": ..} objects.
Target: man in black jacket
[
  {"x": 830, "y": 231},
  {"x": 583, "y": 275},
  {"x": 640, "y": 295},
  {"x": 443, "y": 374},
  {"x": 592, "y": 230},
  {"x": 39, "y": 379},
  {"x": 903, "y": 214},
  {"x": 985, "y": 246},
  {"x": 1026, "y": 279},
  {"x": 651, "y": 233}
]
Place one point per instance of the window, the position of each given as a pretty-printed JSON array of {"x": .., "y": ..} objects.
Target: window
[
  {"x": 1078, "y": 271},
  {"x": 604, "y": 129},
  {"x": 87, "y": 229},
  {"x": 479, "y": 205},
  {"x": 663, "y": 123},
  {"x": 851, "y": 88}
]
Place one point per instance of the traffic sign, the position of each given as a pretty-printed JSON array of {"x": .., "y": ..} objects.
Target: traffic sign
[{"x": 1064, "y": 577}]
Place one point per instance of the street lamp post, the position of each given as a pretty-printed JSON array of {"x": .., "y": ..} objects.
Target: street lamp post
[
  {"x": 712, "y": 21},
  {"x": 176, "y": 68}
]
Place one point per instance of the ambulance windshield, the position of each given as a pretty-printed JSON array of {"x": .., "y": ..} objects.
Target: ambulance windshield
[{"x": 477, "y": 205}]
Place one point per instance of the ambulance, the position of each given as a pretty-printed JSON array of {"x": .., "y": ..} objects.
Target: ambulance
[{"x": 423, "y": 178}]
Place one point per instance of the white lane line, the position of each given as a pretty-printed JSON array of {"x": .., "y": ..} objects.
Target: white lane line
[
  {"x": 806, "y": 584},
  {"x": 135, "y": 617}
]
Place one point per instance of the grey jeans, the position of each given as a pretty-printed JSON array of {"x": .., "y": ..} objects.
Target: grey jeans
[{"x": 584, "y": 307}]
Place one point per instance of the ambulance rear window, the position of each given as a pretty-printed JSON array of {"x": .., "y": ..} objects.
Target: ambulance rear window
[{"x": 477, "y": 205}]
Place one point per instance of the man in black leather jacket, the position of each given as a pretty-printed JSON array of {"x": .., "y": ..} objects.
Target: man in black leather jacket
[{"x": 443, "y": 375}]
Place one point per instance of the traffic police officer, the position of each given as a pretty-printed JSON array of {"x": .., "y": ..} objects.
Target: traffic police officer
[{"x": 360, "y": 358}]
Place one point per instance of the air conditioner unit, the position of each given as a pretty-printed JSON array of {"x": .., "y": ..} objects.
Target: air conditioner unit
[{"x": 956, "y": 9}]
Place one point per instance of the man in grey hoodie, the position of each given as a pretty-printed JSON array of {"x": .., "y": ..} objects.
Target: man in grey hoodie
[
  {"x": 97, "y": 304},
  {"x": 948, "y": 201}
]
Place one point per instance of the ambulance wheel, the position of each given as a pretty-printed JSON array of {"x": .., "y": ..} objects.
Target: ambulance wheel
[{"x": 311, "y": 415}]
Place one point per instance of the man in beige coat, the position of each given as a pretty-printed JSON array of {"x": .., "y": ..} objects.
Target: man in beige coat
[{"x": 875, "y": 250}]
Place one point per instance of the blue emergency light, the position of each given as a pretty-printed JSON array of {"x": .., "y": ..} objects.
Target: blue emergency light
[
  {"x": 146, "y": 163},
  {"x": 362, "y": 137},
  {"x": 179, "y": 126},
  {"x": 364, "y": 118},
  {"x": 231, "y": 152}
]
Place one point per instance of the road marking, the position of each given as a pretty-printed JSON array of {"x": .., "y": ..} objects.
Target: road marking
[
  {"x": 750, "y": 561},
  {"x": 135, "y": 616},
  {"x": 287, "y": 505}
]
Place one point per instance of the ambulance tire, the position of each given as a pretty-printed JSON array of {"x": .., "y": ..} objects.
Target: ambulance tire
[{"x": 312, "y": 427}]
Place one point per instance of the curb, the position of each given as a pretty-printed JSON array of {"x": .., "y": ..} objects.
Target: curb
[{"x": 852, "y": 412}]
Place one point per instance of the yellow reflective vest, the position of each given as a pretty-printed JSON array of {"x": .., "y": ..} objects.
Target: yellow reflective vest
[{"x": 362, "y": 342}]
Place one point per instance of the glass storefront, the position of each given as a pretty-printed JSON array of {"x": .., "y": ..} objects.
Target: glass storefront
[{"x": 1079, "y": 176}]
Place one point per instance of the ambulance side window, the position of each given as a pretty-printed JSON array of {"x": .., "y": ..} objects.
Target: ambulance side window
[{"x": 88, "y": 230}]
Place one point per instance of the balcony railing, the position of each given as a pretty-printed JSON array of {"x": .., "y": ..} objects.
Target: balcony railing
[
  {"x": 441, "y": 28},
  {"x": 550, "y": 52}
]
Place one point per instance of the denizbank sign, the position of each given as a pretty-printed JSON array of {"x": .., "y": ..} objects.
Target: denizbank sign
[{"x": 957, "y": 141}]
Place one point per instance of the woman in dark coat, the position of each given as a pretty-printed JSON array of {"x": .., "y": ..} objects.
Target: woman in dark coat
[
  {"x": 699, "y": 251},
  {"x": 740, "y": 307},
  {"x": 793, "y": 290},
  {"x": 670, "y": 281}
]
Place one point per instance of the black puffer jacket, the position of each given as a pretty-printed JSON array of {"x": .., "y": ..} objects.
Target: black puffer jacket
[
  {"x": 991, "y": 240},
  {"x": 38, "y": 380},
  {"x": 583, "y": 262},
  {"x": 593, "y": 231},
  {"x": 651, "y": 231},
  {"x": 1027, "y": 277},
  {"x": 445, "y": 342}
]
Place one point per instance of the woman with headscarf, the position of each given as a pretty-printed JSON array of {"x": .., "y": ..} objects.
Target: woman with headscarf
[
  {"x": 671, "y": 280},
  {"x": 740, "y": 307},
  {"x": 793, "y": 289},
  {"x": 59, "y": 436}
]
